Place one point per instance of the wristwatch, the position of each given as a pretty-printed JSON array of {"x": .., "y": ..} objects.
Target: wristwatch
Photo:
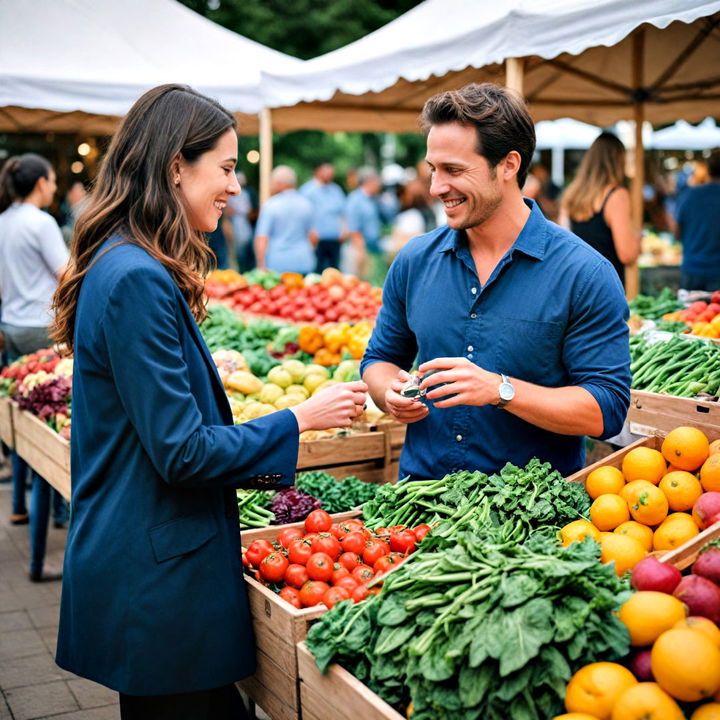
[{"x": 507, "y": 392}]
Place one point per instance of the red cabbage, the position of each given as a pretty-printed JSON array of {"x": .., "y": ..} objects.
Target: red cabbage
[{"x": 292, "y": 505}]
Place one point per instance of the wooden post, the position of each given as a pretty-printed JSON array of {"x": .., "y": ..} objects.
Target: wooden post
[
  {"x": 514, "y": 74},
  {"x": 266, "y": 153}
]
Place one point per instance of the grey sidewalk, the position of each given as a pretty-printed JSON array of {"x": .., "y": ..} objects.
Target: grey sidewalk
[{"x": 32, "y": 686}]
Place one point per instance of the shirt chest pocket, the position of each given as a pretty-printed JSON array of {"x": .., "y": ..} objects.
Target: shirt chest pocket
[{"x": 530, "y": 350}]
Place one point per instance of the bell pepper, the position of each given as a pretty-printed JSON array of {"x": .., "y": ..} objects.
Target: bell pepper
[
  {"x": 335, "y": 337},
  {"x": 292, "y": 280},
  {"x": 310, "y": 339},
  {"x": 326, "y": 358}
]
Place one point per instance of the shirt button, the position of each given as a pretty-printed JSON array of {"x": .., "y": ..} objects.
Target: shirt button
[
  {"x": 473, "y": 315},
  {"x": 458, "y": 438},
  {"x": 473, "y": 290},
  {"x": 470, "y": 348},
  {"x": 470, "y": 355}
]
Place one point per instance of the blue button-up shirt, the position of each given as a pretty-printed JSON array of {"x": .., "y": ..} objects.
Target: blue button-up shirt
[
  {"x": 552, "y": 313},
  {"x": 328, "y": 201},
  {"x": 363, "y": 216}
]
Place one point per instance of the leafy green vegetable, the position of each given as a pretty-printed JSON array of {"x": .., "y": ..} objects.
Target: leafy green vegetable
[{"x": 334, "y": 495}]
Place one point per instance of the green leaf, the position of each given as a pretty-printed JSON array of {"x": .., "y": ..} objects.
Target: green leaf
[
  {"x": 392, "y": 609},
  {"x": 517, "y": 589},
  {"x": 434, "y": 666},
  {"x": 514, "y": 684},
  {"x": 391, "y": 639},
  {"x": 523, "y": 632},
  {"x": 475, "y": 682}
]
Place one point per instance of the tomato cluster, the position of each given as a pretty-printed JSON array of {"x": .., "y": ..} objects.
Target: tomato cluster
[
  {"x": 329, "y": 562},
  {"x": 42, "y": 360}
]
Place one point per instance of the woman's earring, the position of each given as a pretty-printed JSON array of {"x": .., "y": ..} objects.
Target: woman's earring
[{"x": 177, "y": 179}]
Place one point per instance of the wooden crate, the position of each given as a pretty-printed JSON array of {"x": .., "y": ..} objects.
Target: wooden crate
[
  {"x": 651, "y": 412},
  {"x": 43, "y": 449},
  {"x": 686, "y": 555},
  {"x": 338, "y": 693},
  {"x": 7, "y": 434}
]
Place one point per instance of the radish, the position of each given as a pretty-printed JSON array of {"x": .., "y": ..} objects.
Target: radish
[
  {"x": 708, "y": 564},
  {"x": 706, "y": 508},
  {"x": 640, "y": 666},
  {"x": 651, "y": 574},
  {"x": 702, "y": 596}
]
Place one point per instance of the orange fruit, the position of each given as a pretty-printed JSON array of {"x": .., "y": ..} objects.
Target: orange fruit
[
  {"x": 575, "y": 716},
  {"x": 642, "y": 533},
  {"x": 577, "y": 531},
  {"x": 644, "y": 463},
  {"x": 708, "y": 711},
  {"x": 595, "y": 688},
  {"x": 648, "y": 614},
  {"x": 674, "y": 531},
  {"x": 608, "y": 511},
  {"x": 625, "y": 551},
  {"x": 714, "y": 447},
  {"x": 703, "y": 625},
  {"x": 604, "y": 480},
  {"x": 710, "y": 473},
  {"x": 686, "y": 664},
  {"x": 633, "y": 489},
  {"x": 682, "y": 488},
  {"x": 646, "y": 701},
  {"x": 686, "y": 447},
  {"x": 650, "y": 506}
]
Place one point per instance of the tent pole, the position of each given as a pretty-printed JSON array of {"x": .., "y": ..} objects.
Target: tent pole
[
  {"x": 514, "y": 74},
  {"x": 266, "y": 153}
]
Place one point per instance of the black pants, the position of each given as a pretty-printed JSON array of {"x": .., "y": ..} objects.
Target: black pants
[
  {"x": 223, "y": 703},
  {"x": 327, "y": 253}
]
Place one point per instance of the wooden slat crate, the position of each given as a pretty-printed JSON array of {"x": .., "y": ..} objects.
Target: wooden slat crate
[
  {"x": 7, "y": 434},
  {"x": 43, "y": 449},
  {"x": 338, "y": 693},
  {"x": 650, "y": 412}
]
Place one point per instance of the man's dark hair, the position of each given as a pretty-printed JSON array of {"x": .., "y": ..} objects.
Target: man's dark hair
[
  {"x": 714, "y": 165},
  {"x": 500, "y": 118}
]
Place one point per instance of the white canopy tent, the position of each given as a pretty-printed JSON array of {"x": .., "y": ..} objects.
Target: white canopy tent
[
  {"x": 683, "y": 136},
  {"x": 78, "y": 65}
]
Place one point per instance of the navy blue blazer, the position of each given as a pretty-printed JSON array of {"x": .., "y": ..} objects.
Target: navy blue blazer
[{"x": 153, "y": 596}]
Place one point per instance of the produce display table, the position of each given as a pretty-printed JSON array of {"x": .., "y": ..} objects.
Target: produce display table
[
  {"x": 7, "y": 433},
  {"x": 651, "y": 412}
]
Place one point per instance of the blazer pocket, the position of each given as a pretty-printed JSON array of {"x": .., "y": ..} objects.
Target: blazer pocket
[{"x": 181, "y": 536}]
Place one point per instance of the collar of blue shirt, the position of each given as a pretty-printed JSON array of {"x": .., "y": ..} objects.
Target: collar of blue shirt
[{"x": 531, "y": 241}]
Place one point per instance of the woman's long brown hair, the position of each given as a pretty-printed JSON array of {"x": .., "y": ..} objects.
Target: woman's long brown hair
[{"x": 134, "y": 195}]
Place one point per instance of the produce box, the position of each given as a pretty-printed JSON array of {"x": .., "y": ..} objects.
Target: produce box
[
  {"x": 7, "y": 434},
  {"x": 339, "y": 690},
  {"x": 278, "y": 628},
  {"x": 650, "y": 412},
  {"x": 43, "y": 449}
]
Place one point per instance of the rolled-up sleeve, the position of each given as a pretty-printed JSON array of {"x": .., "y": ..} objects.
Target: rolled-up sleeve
[{"x": 596, "y": 351}]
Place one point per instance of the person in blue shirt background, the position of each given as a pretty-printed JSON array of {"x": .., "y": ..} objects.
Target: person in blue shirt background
[
  {"x": 364, "y": 219},
  {"x": 698, "y": 228},
  {"x": 328, "y": 220},
  {"x": 282, "y": 235},
  {"x": 525, "y": 322}
]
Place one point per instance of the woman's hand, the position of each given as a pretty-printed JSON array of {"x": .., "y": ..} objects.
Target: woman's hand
[
  {"x": 404, "y": 409},
  {"x": 335, "y": 406}
]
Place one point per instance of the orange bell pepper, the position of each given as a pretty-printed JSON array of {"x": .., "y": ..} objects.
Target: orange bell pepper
[
  {"x": 324, "y": 357},
  {"x": 310, "y": 339}
]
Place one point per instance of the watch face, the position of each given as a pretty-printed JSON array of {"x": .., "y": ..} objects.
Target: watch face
[{"x": 507, "y": 391}]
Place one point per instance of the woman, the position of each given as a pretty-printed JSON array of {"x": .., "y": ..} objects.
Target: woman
[
  {"x": 32, "y": 257},
  {"x": 154, "y": 604},
  {"x": 598, "y": 207}
]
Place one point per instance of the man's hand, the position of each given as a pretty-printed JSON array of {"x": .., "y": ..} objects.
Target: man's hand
[
  {"x": 465, "y": 381},
  {"x": 403, "y": 409}
]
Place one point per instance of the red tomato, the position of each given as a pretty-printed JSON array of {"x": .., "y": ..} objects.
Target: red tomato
[
  {"x": 383, "y": 564},
  {"x": 373, "y": 551},
  {"x": 245, "y": 561},
  {"x": 300, "y": 550},
  {"x": 337, "y": 532},
  {"x": 363, "y": 573},
  {"x": 381, "y": 531},
  {"x": 353, "y": 542},
  {"x": 338, "y": 573},
  {"x": 296, "y": 575},
  {"x": 311, "y": 593},
  {"x": 421, "y": 531},
  {"x": 291, "y": 595},
  {"x": 349, "y": 560},
  {"x": 258, "y": 550},
  {"x": 318, "y": 521},
  {"x": 326, "y": 543},
  {"x": 260, "y": 578},
  {"x": 320, "y": 567},
  {"x": 403, "y": 541},
  {"x": 349, "y": 583},
  {"x": 354, "y": 524},
  {"x": 359, "y": 593},
  {"x": 335, "y": 595},
  {"x": 396, "y": 528},
  {"x": 273, "y": 567},
  {"x": 285, "y": 536}
]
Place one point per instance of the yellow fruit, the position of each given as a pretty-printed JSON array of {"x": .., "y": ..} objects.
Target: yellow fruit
[
  {"x": 578, "y": 530},
  {"x": 644, "y": 463},
  {"x": 296, "y": 368},
  {"x": 632, "y": 490},
  {"x": 714, "y": 447},
  {"x": 646, "y": 701},
  {"x": 650, "y": 506},
  {"x": 608, "y": 511},
  {"x": 280, "y": 376},
  {"x": 703, "y": 625},
  {"x": 642, "y": 533},
  {"x": 710, "y": 473},
  {"x": 674, "y": 531},
  {"x": 708, "y": 711},
  {"x": 270, "y": 393},
  {"x": 313, "y": 380},
  {"x": 604, "y": 480},
  {"x": 682, "y": 489},
  {"x": 624, "y": 551},
  {"x": 595, "y": 688},
  {"x": 286, "y": 401},
  {"x": 686, "y": 448},
  {"x": 297, "y": 390},
  {"x": 323, "y": 385},
  {"x": 686, "y": 664},
  {"x": 648, "y": 614}
]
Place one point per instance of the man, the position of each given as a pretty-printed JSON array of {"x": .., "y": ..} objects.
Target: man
[
  {"x": 363, "y": 218},
  {"x": 524, "y": 322},
  {"x": 328, "y": 224},
  {"x": 282, "y": 237},
  {"x": 698, "y": 221}
]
